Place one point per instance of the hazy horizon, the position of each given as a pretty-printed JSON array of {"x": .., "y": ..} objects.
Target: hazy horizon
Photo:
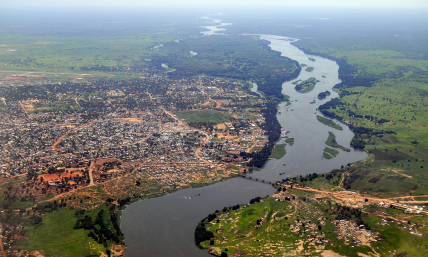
[{"x": 220, "y": 3}]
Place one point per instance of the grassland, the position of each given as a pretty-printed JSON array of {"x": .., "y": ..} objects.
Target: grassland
[
  {"x": 203, "y": 116},
  {"x": 56, "y": 236},
  {"x": 329, "y": 123}
]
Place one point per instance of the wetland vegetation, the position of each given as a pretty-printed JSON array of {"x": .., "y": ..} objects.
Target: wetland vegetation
[{"x": 329, "y": 123}]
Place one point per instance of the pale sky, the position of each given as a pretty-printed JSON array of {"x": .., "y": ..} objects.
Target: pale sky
[{"x": 197, "y": 3}]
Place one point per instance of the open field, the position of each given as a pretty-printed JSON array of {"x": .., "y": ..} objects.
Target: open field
[
  {"x": 203, "y": 116},
  {"x": 56, "y": 236}
]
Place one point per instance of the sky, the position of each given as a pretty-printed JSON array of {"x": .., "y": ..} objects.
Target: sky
[{"x": 199, "y": 3}]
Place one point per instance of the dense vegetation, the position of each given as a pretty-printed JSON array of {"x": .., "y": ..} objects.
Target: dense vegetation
[{"x": 238, "y": 57}]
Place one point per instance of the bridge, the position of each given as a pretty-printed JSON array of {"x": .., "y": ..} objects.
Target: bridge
[{"x": 258, "y": 179}]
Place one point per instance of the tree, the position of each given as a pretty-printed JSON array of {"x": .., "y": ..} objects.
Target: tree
[{"x": 223, "y": 254}]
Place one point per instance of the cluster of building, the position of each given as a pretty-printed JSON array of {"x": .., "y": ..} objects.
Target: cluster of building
[
  {"x": 8, "y": 236},
  {"x": 351, "y": 233},
  {"x": 125, "y": 120}
]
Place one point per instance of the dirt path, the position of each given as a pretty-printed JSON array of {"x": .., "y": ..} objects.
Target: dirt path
[
  {"x": 91, "y": 179},
  {"x": 74, "y": 130},
  {"x": 356, "y": 101},
  {"x": 407, "y": 196},
  {"x": 218, "y": 105},
  {"x": 2, "y": 249},
  {"x": 369, "y": 198},
  {"x": 22, "y": 106}
]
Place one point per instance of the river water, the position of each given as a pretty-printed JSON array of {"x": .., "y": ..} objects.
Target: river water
[{"x": 164, "y": 226}]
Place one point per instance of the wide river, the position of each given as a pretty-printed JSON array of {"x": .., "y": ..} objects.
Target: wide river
[{"x": 164, "y": 226}]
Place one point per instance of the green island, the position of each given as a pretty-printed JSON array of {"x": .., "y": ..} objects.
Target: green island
[
  {"x": 307, "y": 85},
  {"x": 331, "y": 141},
  {"x": 329, "y": 122},
  {"x": 329, "y": 153},
  {"x": 309, "y": 69},
  {"x": 290, "y": 140},
  {"x": 278, "y": 151}
]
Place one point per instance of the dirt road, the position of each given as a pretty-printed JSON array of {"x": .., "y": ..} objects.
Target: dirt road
[{"x": 217, "y": 103}]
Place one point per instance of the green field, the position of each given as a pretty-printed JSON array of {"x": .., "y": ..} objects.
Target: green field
[
  {"x": 329, "y": 122},
  {"x": 207, "y": 116},
  {"x": 56, "y": 236}
]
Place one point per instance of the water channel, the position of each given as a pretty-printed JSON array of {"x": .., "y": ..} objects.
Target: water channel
[{"x": 164, "y": 226}]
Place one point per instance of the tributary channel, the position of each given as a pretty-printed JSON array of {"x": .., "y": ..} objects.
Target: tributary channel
[{"x": 164, "y": 226}]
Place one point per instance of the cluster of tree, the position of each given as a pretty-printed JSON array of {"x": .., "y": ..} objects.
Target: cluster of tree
[
  {"x": 283, "y": 189},
  {"x": 201, "y": 233},
  {"x": 100, "y": 230},
  {"x": 349, "y": 213},
  {"x": 120, "y": 69},
  {"x": 48, "y": 207},
  {"x": 233, "y": 57},
  {"x": 323, "y": 95},
  {"x": 273, "y": 130},
  {"x": 255, "y": 200},
  {"x": 309, "y": 177},
  {"x": 207, "y": 125},
  {"x": 124, "y": 201}
]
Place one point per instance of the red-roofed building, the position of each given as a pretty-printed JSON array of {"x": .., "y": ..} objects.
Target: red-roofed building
[{"x": 50, "y": 178}]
